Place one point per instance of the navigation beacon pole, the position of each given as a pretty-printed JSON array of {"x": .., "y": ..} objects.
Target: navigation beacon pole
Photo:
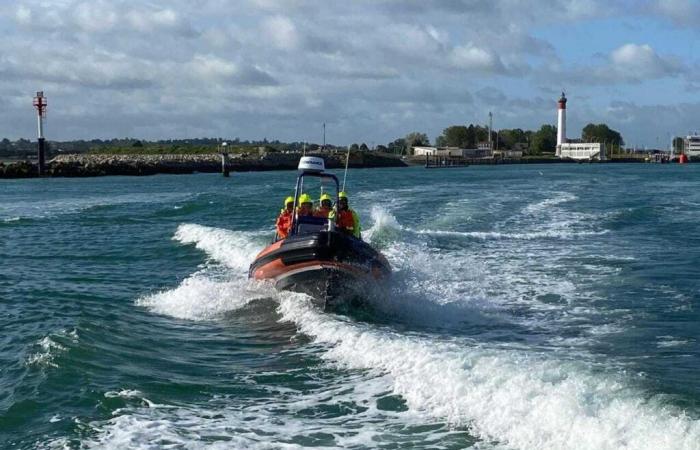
[
  {"x": 561, "y": 123},
  {"x": 40, "y": 105},
  {"x": 490, "y": 130},
  {"x": 224, "y": 159}
]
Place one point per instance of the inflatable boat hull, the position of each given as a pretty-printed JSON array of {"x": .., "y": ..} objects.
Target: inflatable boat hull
[{"x": 335, "y": 269}]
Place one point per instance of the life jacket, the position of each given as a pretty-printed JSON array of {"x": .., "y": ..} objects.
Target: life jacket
[
  {"x": 322, "y": 212},
  {"x": 349, "y": 222},
  {"x": 284, "y": 221},
  {"x": 300, "y": 212}
]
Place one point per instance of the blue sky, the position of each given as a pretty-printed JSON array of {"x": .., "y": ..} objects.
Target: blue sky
[{"x": 374, "y": 70}]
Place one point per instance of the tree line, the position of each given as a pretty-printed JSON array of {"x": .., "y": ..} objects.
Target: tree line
[
  {"x": 543, "y": 140},
  {"x": 23, "y": 147}
]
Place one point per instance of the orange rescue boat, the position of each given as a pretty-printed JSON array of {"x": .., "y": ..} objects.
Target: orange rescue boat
[{"x": 333, "y": 267}]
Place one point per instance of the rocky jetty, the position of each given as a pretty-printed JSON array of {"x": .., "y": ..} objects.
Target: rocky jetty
[{"x": 90, "y": 165}]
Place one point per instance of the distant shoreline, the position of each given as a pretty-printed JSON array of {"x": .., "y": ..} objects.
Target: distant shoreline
[{"x": 94, "y": 165}]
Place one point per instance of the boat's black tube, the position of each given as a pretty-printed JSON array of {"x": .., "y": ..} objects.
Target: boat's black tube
[{"x": 323, "y": 246}]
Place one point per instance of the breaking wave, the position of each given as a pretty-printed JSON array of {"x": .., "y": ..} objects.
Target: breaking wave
[
  {"x": 521, "y": 399},
  {"x": 47, "y": 350}
]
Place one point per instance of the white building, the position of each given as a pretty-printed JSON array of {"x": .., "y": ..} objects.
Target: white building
[
  {"x": 454, "y": 152},
  {"x": 424, "y": 151},
  {"x": 691, "y": 146},
  {"x": 582, "y": 151}
]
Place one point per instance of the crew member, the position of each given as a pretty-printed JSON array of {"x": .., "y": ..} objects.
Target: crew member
[
  {"x": 325, "y": 208},
  {"x": 306, "y": 207},
  {"x": 347, "y": 220},
  {"x": 284, "y": 220}
]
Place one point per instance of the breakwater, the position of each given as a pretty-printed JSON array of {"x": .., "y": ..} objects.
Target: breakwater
[{"x": 90, "y": 165}]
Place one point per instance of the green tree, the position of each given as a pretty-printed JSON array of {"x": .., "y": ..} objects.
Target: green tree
[
  {"x": 481, "y": 134},
  {"x": 602, "y": 133},
  {"x": 462, "y": 136},
  {"x": 397, "y": 146},
  {"x": 416, "y": 139},
  {"x": 457, "y": 136},
  {"x": 363, "y": 147},
  {"x": 507, "y": 138},
  {"x": 544, "y": 140},
  {"x": 354, "y": 148}
]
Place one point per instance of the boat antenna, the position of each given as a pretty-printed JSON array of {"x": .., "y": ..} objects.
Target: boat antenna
[
  {"x": 304, "y": 151},
  {"x": 347, "y": 161}
]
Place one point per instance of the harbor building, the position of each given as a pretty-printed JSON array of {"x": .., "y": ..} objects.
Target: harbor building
[
  {"x": 691, "y": 146},
  {"x": 575, "y": 150},
  {"x": 453, "y": 152}
]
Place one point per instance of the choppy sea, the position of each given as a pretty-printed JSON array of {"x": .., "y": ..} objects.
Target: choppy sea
[{"x": 531, "y": 307}]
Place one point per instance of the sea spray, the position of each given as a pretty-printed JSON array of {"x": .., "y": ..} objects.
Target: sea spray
[{"x": 522, "y": 399}]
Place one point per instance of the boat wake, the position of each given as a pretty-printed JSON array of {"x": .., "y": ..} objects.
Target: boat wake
[{"x": 519, "y": 374}]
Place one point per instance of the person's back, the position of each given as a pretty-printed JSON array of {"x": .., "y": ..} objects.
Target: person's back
[
  {"x": 284, "y": 220},
  {"x": 326, "y": 207},
  {"x": 347, "y": 219}
]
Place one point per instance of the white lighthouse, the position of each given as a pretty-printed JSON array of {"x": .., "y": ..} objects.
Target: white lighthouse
[
  {"x": 576, "y": 150},
  {"x": 561, "y": 123}
]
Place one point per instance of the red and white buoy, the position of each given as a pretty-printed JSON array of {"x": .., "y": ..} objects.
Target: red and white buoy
[
  {"x": 40, "y": 105},
  {"x": 683, "y": 159}
]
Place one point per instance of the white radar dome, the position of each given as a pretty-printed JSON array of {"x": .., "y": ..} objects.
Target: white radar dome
[{"x": 311, "y": 164}]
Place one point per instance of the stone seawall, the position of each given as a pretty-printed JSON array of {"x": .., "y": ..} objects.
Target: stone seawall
[{"x": 83, "y": 165}]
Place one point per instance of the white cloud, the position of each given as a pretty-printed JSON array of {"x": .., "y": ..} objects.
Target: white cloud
[
  {"x": 95, "y": 16},
  {"x": 473, "y": 58},
  {"x": 23, "y": 15},
  {"x": 212, "y": 68},
  {"x": 637, "y": 57},
  {"x": 628, "y": 63},
  {"x": 682, "y": 12},
  {"x": 287, "y": 64},
  {"x": 281, "y": 32}
]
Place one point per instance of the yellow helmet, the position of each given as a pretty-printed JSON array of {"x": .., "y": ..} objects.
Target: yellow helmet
[
  {"x": 326, "y": 197},
  {"x": 305, "y": 198},
  {"x": 288, "y": 200},
  {"x": 343, "y": 195}
]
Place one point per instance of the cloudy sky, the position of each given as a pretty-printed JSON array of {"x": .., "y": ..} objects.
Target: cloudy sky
[{"x": 373, "y": 70}]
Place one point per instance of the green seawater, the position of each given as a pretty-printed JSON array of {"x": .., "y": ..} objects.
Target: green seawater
[{"x": 531, "y": 307}]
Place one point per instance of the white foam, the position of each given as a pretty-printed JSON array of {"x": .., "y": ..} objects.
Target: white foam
[
  {"x": 384, "y": 227},
  {"x": 236, "y": 249},
  {"x": 212, "y": 292},
  {"x": 199, "y": 297},
  {"x": 521, "y": 399},
  {"x": 670, "y": 341},
  {"x": 282, "y": 418},
  {"x": 560, "y": 233},
  {"x": 547, "y": 203},
  {"x": 124, "y": 393},
  {"x": 48, "y": 348}
]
